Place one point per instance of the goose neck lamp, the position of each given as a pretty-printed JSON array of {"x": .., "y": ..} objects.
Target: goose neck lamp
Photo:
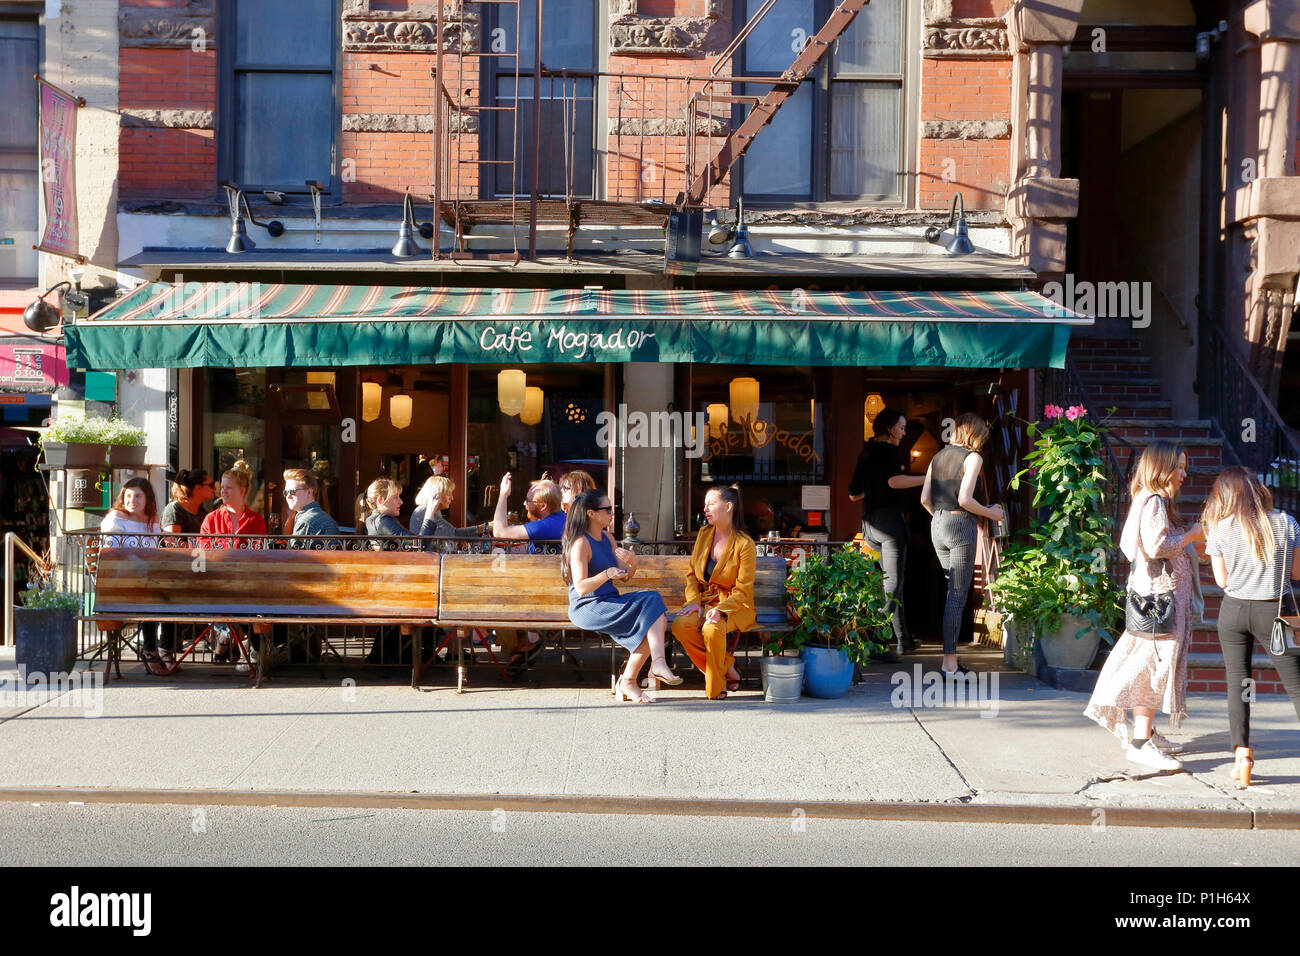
[
  {"x": 406, "y": 246},
  {"x": 239, "y": 241},
  {"x": 959, "y": 244}
]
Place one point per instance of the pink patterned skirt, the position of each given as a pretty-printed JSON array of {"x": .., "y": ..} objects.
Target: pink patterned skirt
[{"x": 1141, "y": 672}]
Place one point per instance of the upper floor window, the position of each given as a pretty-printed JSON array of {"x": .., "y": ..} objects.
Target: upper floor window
[
  {"x": 567, "y": 118},
  {"x": 278, "y": 104},
  {"x": 840, "y": 135}
]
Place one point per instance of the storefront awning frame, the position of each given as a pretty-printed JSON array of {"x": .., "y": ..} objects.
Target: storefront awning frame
[{"x": 252, "y": 325}]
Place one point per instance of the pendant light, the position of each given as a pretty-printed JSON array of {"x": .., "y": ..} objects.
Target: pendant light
[
  {"x": 399, "y": 410},
  {"x": 870, "y": 409},
  {"x": 372, "y": 400},
  {"x": 744, "y": 400},
  {"x": 532, "y": 413},
  {"x": 511, "y": 396},
  {"x": 717, "y": 420}
]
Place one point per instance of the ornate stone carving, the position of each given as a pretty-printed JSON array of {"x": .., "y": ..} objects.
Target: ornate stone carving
[
  {"x": 631, "y": 33},
  {"x": 167, "y": 26},
  {"x": 679, "y": 36},
  {"x": 966, "y": 38},
  {"x": 366, "y": 30}
]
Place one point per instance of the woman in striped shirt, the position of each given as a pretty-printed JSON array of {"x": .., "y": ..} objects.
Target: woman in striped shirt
[{"x": 1251, "y": 547}]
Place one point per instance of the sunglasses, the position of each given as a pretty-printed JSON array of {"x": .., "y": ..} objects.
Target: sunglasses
[
  {"x": 609, "y": 508},
  {"x": 293, "y": 492}
]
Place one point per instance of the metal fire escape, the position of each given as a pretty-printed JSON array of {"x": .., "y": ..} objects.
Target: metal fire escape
[{"x": 451, "y": 108}]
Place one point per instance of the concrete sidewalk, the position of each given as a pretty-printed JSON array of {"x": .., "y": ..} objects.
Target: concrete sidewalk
[{"x": 197, "y": 732}]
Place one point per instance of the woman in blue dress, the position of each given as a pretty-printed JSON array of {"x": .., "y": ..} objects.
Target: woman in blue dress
[{"x": 637, "y": 619}]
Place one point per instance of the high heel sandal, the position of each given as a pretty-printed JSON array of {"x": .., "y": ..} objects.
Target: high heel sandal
[
  {"x": 666, "y": 675},
  {"x": 621, "y": 693},
  {"x": 1243, "y": 763},
  {"x": 733, "y": 684}
]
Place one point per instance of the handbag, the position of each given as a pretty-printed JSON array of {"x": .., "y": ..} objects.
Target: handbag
[
  {"x": 1149, "y": 615},
  {"x": 1282, "y": 638}
]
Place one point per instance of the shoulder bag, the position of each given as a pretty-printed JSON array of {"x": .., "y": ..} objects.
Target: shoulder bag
[
  {"x": 1282, "y": 639},
  {"x": 1150, "y": 615}
]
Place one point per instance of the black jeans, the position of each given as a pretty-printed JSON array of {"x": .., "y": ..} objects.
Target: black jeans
[
  {"x": 1240, "y": 624},
  {"x": 885, "y": 530}
]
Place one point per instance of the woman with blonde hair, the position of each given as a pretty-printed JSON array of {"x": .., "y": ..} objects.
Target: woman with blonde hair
[
  {"x": 1252, "y": 548},
  {"x": 233, "y": 516},
  {"x": 383, "y": 500},
  {"x": 1146, "y": 672},
  {"x": 442, "y": 494},
  {"x": 949, "y": 493}
]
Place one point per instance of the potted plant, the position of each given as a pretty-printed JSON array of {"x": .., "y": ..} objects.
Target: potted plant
[
  {"x": 45, "y": 631},
  {"x": 838, "y": 601},
  {"x": 76, "y": 442},
  {"x": 1054, "y": 582}
]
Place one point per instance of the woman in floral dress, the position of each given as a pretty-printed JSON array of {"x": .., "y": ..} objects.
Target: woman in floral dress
[{"x": 1144, "y": 673}]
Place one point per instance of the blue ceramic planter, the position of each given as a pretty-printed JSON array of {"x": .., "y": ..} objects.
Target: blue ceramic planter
[{"x": 827, "y": 673}]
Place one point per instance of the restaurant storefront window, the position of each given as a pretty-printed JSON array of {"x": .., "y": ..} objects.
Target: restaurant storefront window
[
  {"x": 234, "y": 425},
  {"x": 767, "y": 431},
  {"x": 556, "y": 432}
]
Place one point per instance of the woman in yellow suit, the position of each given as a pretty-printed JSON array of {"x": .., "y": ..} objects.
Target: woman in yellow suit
[{"x": 720, "y": 588}]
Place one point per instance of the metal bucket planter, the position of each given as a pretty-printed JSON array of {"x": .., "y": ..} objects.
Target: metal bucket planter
[
  {"x": 46, "y": 641},
  {"x": 782, "y": 679},
  {"x": 828, "y": 672},
  {"x": 62, "y": 454},
  {"x": 126, "y": 456},
  {"x": 1061, "y": 649}
]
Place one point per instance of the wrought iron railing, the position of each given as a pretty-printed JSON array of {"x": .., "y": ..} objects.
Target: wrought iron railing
[
  {"x": 78, "y": 560},
  {"x": 1253, "y": 431}
]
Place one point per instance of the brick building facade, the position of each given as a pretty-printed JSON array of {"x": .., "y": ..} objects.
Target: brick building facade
[{"x": 1087, "y": 139}]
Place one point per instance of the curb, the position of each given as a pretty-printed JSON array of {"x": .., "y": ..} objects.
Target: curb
[{"x": 673, "y": 806}]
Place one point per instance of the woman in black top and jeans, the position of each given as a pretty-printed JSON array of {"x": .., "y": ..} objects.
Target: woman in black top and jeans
[
  {"x": 877, "y": 480},
  {"x": 949, "y": 495}
]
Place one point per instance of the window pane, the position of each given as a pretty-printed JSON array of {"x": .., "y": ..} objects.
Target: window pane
[
  {"x": 568, "y": 38},
  {"x": 289, "y": 32},
  {"x": 864, "y": 139},
  {"x": 874, "y": 42},
  {"x": 284, "y": 122},
  {"x": 779, "y": 161},
  {"x": 554, "y": 129},
  {"x": 771, "y": 48}
]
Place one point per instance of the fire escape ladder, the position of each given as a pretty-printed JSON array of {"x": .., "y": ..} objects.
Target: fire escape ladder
[{"x": 735, "y": 145}]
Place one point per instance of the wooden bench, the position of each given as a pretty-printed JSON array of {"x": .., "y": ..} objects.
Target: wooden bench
[
  {"x": 409, "y": 589},
  {"x": 264, "y": 588},
  {"x": 526, "y": 591}
]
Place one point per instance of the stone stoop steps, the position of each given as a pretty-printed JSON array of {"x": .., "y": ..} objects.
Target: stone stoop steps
[{"x": 1117, "y": 373}]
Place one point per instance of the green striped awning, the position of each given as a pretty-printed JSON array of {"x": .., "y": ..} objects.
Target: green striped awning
[{"x": 162, "y": 325}]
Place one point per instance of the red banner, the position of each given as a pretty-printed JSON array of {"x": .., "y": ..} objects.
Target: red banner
[
  {"x": 38, "y": 368},
  {"x": 58, "y": 170}
]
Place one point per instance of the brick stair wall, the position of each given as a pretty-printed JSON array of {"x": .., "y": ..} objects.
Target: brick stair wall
[{"x": 1115, "y": 372}]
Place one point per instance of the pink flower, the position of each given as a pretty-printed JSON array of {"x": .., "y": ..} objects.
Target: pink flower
[
  {"x": 1053, "y": 411},
  {"x": 1075, "y": 411}
]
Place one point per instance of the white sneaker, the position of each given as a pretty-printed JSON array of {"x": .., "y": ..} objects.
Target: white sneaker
[
  {"x": 1164, "y": 745},
  {"x": 1149, "y": 756}
]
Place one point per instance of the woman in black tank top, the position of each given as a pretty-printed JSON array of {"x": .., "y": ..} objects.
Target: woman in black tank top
[{"x": 949, "y": 495}]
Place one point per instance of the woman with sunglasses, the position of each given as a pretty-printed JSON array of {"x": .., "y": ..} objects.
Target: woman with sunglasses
[{"x": 637, "y": 619}]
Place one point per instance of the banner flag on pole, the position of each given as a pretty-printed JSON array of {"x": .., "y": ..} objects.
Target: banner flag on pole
[{"x": 58, "y": 111}]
